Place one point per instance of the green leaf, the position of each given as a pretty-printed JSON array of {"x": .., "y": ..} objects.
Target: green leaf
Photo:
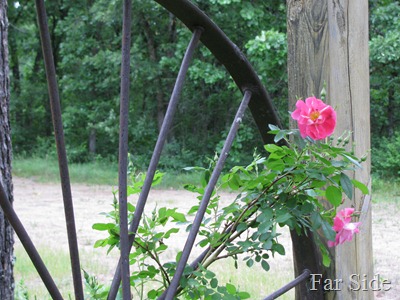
[
  {"x": 271, "y": 148},
  {"x": 231, "y": 288},
  {"x": 178, "y": 217},
  {"x": 103, "y": 226},
  {"x": 234, "y": 181},
  {"x": 350, "y": 158},
  {"x": 241, "y": 227},
  {"x": 328, "y": 231},
  {"x": 316, "y": 220},
  {"x": 152, "y": 294},
  {"x": 131, "y": 207},
  {"x": 265, "y": 265},
  {"x": 275, "y": 165},
  {"x": 326, "y": 260},
  {"x": 346, "y": 184},
  {"x": 283, "y": 218},
  {"x": 101, "y": 243},
  {"x": 273, "y": 127},
  {"x": 267, "y": 245},
  {"x": 362, "y": 187},
  {"x": 250, "y": 262},
  {"x": 214, "y": 283},
  {"x": 244, "y": 295},
  {"x": 280, "y": 135},
  {"x": 334, "y": 195},
  {"x": 279, "y": 248},
  {"x": 171, "y": 231}
]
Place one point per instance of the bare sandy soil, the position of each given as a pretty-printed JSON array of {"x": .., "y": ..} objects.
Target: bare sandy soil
[{"x": 40, "y": 208}]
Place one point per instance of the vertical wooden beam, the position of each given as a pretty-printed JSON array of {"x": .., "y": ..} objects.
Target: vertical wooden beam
[
  {"x": 328, "y": 43},
  {"x": 348, "y": 92},
  {"x": 307, "y": 30},
  {"x": 307, "y": 34}
]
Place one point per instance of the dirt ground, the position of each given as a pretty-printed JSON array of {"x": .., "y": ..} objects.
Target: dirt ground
[{"x": 40, "y": 208}]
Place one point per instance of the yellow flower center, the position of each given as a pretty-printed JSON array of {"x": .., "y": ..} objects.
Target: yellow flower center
[{"x": 314, "y": 115}]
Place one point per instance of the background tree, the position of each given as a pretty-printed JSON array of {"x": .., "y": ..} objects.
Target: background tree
[
  {"x": 6, "y": 232},
  {"x": 385, "y": 86},
  {"x": 86, "y": 42},
  {"x": 86, "y": 39}
]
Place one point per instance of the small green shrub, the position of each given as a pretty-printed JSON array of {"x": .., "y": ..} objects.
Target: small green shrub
[{"x": 386, "y": 157}]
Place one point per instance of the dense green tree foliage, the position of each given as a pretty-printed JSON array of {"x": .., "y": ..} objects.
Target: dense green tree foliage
[
  {"x": 86, "y": 37},
  {"x": 385, "y": 86}
]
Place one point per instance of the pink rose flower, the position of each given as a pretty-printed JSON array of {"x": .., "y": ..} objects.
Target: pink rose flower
[
  {"x": 315, "y": 119},
  {"x": 343, "y": 226}
]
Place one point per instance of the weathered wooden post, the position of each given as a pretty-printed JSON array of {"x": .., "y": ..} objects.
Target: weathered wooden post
[{"x": 328, "y": 46}]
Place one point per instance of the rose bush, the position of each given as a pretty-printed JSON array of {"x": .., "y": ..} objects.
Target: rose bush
[{"x": 281, "y": 189}]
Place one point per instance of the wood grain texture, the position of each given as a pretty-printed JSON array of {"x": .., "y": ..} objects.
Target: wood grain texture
[
  {"x": 328, "y": 42},
  {"x": 307, "y": 47},
  {"x": 307, "y": 30}
]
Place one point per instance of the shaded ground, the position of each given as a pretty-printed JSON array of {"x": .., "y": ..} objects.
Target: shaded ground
[{"x": 39, "y": 206}]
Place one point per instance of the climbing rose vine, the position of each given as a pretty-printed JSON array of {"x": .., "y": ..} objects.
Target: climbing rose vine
[
  {"x": 281, "y": 189},
  {"x": 315, "y": 119}
]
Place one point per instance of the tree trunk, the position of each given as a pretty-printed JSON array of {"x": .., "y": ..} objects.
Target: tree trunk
[
  {"x": 6, "y": 232},
  {"x": 92, "y": 142},
  {"x": 152, "y": 48}
]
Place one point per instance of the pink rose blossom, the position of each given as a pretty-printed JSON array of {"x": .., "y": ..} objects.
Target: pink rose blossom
[
  {"x": 315, "y": 119},
  {"x": 343, "y": 226}
]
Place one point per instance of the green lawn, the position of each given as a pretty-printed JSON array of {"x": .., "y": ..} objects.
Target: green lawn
[{"x": 98, "y": 173}]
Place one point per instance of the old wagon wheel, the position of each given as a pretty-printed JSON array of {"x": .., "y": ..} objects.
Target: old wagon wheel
[{"x": 255, "y": 97}]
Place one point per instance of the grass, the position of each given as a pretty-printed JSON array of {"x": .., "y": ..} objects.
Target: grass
[
  {"x": 255, "y": 280},
  {"x": 30, "y": 286},
  {"x": 89, "y": 173},
  {"x": 99, "y": 173},
  {"x": 385, "y": 191}
]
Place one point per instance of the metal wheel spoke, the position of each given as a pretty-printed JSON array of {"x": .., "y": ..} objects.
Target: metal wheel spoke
[
  {"x": 62, "y": 155},
  {"x": 206, "y": 198},
  {"x": 123, "y": 150},
  {"x": 172, "y": 106},
  {"x": 30, "y": 249}
]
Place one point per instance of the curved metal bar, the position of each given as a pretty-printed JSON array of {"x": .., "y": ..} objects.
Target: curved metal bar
[
  {"x": 157, "y": 152},
  {"x": 28, "y": 245},
  {"x": 62, "y": 155},
  {"x": 299, "y": 279},
  {"x": 206, "y": 197},
  {"x": 233, "y": 59},
  {"x": 123, "y": 149}
]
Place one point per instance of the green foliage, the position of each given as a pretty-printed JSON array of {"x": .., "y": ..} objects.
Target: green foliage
[
  {"x": 385, "y": 69},
  {"x": 386, "y": 157},
  {"x": 86, "y": 38},
  {"x": 93, "y": 290},
  {"x": 282, "y": 189},
  {"x": 21, "y": 291}
]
